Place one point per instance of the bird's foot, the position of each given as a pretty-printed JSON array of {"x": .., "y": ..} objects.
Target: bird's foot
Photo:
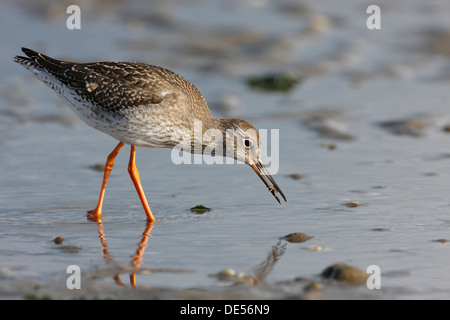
[{"x": 94, "y": 215}]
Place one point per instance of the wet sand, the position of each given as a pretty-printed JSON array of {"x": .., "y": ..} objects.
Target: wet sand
[{"x": 363, "y": 119}]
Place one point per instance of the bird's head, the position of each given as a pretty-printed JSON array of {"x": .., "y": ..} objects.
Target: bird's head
[{"x": 242, "y": 142}]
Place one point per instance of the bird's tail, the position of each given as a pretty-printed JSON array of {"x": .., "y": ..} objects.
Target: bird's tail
[
  {"x": 43, "y": 67},
  {"x": 35, "y": 61},
  {"x": 30, "y": 61}
]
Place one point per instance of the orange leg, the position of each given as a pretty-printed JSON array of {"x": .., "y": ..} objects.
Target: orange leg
[
  {"x": 96, "y": 214},
  {"x": 134, "y": 174}
]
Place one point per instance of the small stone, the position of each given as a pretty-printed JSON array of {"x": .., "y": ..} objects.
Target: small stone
[
  {"x": 315, "y": 248},
  {"x": 297, "y": 237},
  {"x": 58, "y": 240},
  {"x": 225, "y": 275},
  {"x": 345, "y": 273},
  {"x": 353, "y": 204},
  {"x": 227, "y": 272},
  {"x": 441, "y": 240},
  {"x": 296, "y": 176},
  {"x": 380, "y": 229},
  {"x": 414, "y": 126}
]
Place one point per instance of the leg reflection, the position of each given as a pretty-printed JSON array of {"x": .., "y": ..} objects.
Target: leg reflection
[
  {"x": 137, "y": 258},
  {"x": 107, "y": 257}
]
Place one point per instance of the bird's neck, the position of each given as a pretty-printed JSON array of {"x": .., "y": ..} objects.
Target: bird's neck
[{"x": 210, "y": 135}]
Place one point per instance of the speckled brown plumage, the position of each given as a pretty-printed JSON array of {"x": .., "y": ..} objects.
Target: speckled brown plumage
[
  {"x": 124, "y": 95},
  {"x": 117, "y": 85}
]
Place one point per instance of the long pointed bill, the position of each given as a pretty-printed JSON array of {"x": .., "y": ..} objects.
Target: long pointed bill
[{"x": 270, "y": 183}]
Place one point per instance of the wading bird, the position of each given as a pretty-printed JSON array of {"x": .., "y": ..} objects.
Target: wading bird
[{"x": 143, "y": 106}]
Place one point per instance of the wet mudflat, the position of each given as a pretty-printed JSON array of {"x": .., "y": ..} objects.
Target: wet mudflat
[{"x": 362, "y": 118}]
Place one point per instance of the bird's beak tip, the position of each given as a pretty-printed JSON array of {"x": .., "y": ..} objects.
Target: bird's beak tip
[{"x": 262, "y": 172}]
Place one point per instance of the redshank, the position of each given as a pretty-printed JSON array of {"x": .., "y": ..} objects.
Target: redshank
[{"x": 144, "y": 106}]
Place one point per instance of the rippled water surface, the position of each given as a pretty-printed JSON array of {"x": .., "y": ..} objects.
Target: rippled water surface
[{"x": 368, "y": 122}]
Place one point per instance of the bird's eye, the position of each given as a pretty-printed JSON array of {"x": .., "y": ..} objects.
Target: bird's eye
[{"x": 248, "y": 143}]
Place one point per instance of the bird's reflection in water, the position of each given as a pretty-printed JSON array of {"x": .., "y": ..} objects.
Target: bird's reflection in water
[
  {"x": 260, "y": 272},
  {"x": 137, "y": 257}
]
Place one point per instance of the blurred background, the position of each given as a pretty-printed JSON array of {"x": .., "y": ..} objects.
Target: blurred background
[{"x": 364, "y": 118}]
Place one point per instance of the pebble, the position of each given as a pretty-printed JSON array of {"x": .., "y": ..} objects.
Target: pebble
[
  {"x": 226, "y": 273},
  {"x": 58, "y": 240},
  {"x": 296, "y": 176},
  {"x": 297, "y": 237},
  {"x": 414, "y": 126},
  {"x": 345, "y": 273},
  {"x": 441, "y": 240},
  {"x": 353, "y": 204},
  {"x": 231, "y": 276},
  {"x": 328, "y": 124},
  {"x": 315, "y": 248},
  {"x": 380, "y": 229}
]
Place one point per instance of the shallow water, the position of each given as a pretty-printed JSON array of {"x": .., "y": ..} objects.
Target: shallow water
[{"x": 353, "y": 80}]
